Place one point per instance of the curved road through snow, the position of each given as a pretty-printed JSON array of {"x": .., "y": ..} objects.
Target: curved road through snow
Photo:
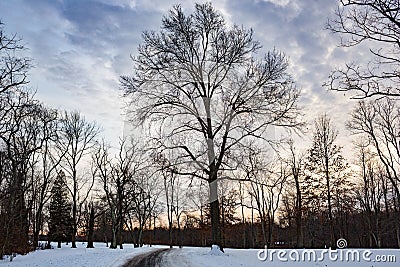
[{"x": 151, "y": 259}]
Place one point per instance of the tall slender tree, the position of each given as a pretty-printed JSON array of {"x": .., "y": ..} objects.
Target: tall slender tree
[
  {"x": 77, "y": 138},
  {"x": 296, "y": 165},
  {"x": 325, "y": 163}
]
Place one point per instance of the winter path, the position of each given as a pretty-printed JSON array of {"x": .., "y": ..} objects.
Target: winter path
[{"x": 150, "y": 259}]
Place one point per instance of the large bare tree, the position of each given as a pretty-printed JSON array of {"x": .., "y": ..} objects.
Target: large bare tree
[
  {"x": 375, "y": 23},
  {"x": 202, "y": 81}
]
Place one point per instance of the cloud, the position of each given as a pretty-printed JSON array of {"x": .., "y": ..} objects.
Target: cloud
[{"x": 81, "y": 48}]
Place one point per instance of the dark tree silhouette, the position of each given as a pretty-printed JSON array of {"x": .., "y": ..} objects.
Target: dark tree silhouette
[
  {"x": 13, "y": 69},
  {"x": 379, "y": 122},
  {"x": 326, "y": 163},
  {"x": 76, "y": 139},
  {"x": 200, "y": 79},
  {"x": 376, "y": 23},
  {"x": 296, "y": 164},
  {"x": 60, "y": 223}
]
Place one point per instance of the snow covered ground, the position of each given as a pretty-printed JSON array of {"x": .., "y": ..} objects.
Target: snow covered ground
[
  {"x": 201, "y": 257},
  {"x": 100, "y": 256},
  {"x": 204, "y": 257}
]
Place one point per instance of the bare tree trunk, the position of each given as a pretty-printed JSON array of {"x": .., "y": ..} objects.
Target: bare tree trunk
[
  {"x": 215, "y": 213},
  {"x": 215, "y": 223},
  {"x": 243, "y": 218},
  {"x": 114, "y": 231},
  {"x": 213, "y": 183},
  {"x": 299, "y": 228},
  {"x": 263, "y": 227},
  {"x": 398, "y": 235},
  {"x": 154, "y": 228},
  {"x": 253, "y": 236},
  {"x": 120, "y": 228},
  {"x": 328, "y": 188},
  {"x": 74, "y": 209},
  {"x": 179, "y": 233},
  {"x": 169, "y": 198},
  {"x": 38, "y": 224},
  {"x": 91, "y": 228},
  {"x": 170, "y": 233},
  {"x": 139, "y": 236}
]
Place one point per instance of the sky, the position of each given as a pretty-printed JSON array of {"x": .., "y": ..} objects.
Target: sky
[{"x": 80, "y": 48}]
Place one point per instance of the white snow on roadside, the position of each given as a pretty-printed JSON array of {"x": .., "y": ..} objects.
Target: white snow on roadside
[
  {"x": 201, "y": 257},
  {"x": 215, "y": 250},
  {"x": 100, "y": 256}
]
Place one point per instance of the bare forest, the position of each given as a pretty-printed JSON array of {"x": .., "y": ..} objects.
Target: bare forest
[{"x": 218, "y": 154}]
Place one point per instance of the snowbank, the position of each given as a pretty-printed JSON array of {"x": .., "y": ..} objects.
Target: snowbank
[
  {"x": 100, "y": 256},
  {"x": 199, "y": 257}
]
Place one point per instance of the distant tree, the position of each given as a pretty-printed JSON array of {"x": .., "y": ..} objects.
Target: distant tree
[
  {"x": 60, "y": 222},
  {"x": 76, "y": 139},
  {"x": 266, "y": 179},
  {"x": 126, "y": 181},
  {"x": 296, "y": 164},
  {"x": 91, "y": 212},
  {"x": 203, "y": 82},
  {"x": 169, "y": 177},
  {"x": 229, "y": 204},
  {"x": 175, "y": 195},
  {"x": 129, "y": 168},
  {"x": 148, "y": 189},
  {"x": 371, "y": 192},
  {"x": 326, "y": 165},
  {"x": 104, "y": 172},
  {"x": 44, "y": 169},
  {"x": 377, "y": 24},
  {"x": 197, "y": 194},
  {"x": 379, "y": 122}
]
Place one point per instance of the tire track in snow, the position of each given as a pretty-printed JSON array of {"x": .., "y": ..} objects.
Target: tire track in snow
[{"x": 151, "y": 259}]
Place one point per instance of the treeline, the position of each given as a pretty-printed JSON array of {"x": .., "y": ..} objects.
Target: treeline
[
  {"x": 250, "y": 235},
  {"x": 56, "y": 175},
  {"x": 35, "y": 143},
  {"x": 307, "y": 198}
]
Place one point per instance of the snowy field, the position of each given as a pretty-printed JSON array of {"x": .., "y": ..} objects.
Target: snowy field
[
  {"x": 201, "y": 257},
  {"x": 204, "y": 257},
  {"x": 100, "y": 256}
]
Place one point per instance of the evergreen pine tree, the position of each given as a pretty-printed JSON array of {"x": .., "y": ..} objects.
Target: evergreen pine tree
[{"x": 60, "y": 223}]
